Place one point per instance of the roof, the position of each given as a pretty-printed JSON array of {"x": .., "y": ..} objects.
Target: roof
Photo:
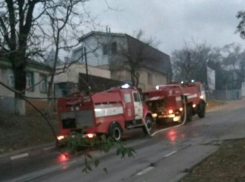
[
  {"x": 155, "y": 59},
  {"x": 41, "y": 65},
  {"x": 30, "y": 62},
  {"x": 99, "y": 33}
]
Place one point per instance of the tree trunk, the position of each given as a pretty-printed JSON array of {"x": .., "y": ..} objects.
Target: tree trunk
[
  {"x": 132, "y": 78},
  {"x": 50, "y": 85},
  {"x": 19, "y": 81}
]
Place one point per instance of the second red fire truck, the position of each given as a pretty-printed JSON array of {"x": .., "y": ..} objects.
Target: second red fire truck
[{"x": 167, "y": 102}]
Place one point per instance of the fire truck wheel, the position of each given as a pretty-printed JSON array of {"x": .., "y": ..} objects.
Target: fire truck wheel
[
  {"x": 189, "y": 114},
  {"x": 148, "y": 121},
  {"x": 202, "y": 110},
  {"x": 115, "y": 131}
]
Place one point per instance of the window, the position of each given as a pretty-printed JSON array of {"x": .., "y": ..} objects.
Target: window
[
  {"x": 136, "y": 97},
  {"x": 150, "y": 78},
  {"x": 127, "y": 98},
  {"x": 30, "y": 81},
  {"x": 11, "y": 78},
  {"x": 114, "y": 48},
  {"x": 105, "y": 49},
  {"x": 43, "y": 83}
]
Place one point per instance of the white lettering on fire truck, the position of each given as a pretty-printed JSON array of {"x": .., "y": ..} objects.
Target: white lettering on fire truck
[
  {"x": 154, "y": 98},
  {"x": 192, "y": 96},
  {"x": 86, "y": 99},
  {"x": 108, "y": 111},
  {"x": 178, "y": 98},
  {"x": 129, "y": 112}
]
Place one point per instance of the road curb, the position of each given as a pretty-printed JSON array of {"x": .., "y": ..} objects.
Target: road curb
[
  {"x": 179, "y": 177},
  {"x": 27, "y": 152}
]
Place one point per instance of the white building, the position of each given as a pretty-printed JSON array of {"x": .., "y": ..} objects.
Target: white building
[
  {"x": 68, "y": 81},
  {"x": 103, "y": 49},
  {"x": 36, "y": 84}
]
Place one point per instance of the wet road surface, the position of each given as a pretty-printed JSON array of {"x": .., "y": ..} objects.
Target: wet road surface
[{"x": 162, "y": 158}]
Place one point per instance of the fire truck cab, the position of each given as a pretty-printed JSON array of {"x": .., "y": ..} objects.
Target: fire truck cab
[
  {"x": 110, "y": 112},
  {"x": 167, "y": 102}
]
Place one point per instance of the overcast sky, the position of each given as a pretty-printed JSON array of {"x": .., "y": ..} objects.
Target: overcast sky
[{"x": 173, "y": 21}]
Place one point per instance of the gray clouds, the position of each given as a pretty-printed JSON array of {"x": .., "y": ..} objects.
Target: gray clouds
[{"x": 173, "y": 21}]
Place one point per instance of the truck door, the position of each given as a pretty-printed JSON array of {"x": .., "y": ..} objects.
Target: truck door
[{"x": 138, "y": 108}]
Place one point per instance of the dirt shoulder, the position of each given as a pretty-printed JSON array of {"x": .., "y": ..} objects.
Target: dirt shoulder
[
  {"x": 18, "y": 132},
  {"x": 211, "y": 104},
  {"x": 225, "y": 165}
]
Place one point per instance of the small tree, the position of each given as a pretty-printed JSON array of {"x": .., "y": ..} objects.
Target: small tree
[{"x": 64, "y": 20}]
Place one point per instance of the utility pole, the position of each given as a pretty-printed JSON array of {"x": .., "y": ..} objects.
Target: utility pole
[
  {"x": 86, "y": 63},
  {"x": 108, "y": 33},
  {"x": 86, "y": 69}
]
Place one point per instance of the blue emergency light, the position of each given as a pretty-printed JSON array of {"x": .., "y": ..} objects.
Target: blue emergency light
[{"x": 126, "y": 85}]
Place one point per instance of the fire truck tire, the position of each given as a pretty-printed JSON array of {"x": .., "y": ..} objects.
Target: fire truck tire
[
  {"x": 189, "y": 116},
  {"x": 148, "y": 121},
  {"x": 202, "y": 110},
  {"x": 115, "y": 131}
]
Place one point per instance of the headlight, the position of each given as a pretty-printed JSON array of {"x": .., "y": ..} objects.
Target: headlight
[
  {"x": 170, "y": 111},
  {"x": 154, "y": 115},
  {"x": 61, "y": 137}
]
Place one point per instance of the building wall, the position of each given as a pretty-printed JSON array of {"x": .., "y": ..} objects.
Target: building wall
[
  {"x": 72, "y": 73},
  {"x": 159, "y": 69},
  {"x": 4, "y": 74},
  {"x": 145, "y": 82},
  {"x": 94, "y": 46},
  {"x": 149, "y": 79},
  {"x": 67, "y": 82},
  {"x": 7, "y": 100}
]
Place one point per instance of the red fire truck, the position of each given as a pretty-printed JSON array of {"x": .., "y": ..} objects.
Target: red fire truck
[
  {"x": 109, "y": 112},
  {"x": 167, "y": 102}
]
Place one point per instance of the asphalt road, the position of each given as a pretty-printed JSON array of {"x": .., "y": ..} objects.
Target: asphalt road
[{"x": 164, "y": 158}]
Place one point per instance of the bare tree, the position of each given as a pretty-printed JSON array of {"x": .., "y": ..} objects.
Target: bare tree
[
  {"x": 20, "y": 40},
  {"x": 29, "y": 27},
  {"x": 64, "y": 20},
  {"x": 234, "y": 62},
  {"x": 241, "y": 30},
  {"x": 241, "y": 26},
  {"x": 183, "y": 63},
  {"x": 133, "y": 59},
  {"x": 191, "y": 61},
  {"x": 24, "y": 25}
]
